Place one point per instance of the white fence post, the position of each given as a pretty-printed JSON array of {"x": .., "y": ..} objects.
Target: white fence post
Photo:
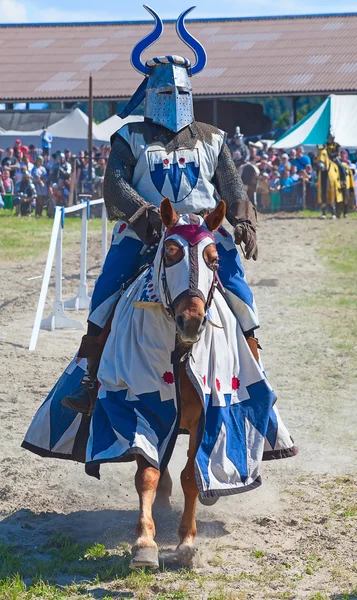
[
  {"x": 45, "y": 280},
  {"x": 59, "y": 319},
  {"x": 82, "y": 300}
]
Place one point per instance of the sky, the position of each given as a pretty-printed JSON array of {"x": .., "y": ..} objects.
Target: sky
[{"x": 50, "y": 11}]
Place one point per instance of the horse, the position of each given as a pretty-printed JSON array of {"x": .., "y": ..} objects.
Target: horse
[
  {"x": 175, "y": 316},
  {"x": 189, "y": 313},
  {"x": 332, "y": 194}
]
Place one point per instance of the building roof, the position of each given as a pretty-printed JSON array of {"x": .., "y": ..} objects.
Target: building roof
[{"x": 246, "y": 57}]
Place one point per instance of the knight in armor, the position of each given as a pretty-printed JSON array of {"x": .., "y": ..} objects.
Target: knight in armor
[
  {"x": 169, "y": 154},
  {"x": 333, "y": 150},
  {"x": 237, "y": 145}
]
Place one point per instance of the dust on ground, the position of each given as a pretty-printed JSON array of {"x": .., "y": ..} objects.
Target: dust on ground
[{"x": 294, "y": 537}]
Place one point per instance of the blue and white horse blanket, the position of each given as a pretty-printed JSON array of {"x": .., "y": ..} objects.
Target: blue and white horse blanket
[{"x": 138, "y": 411}]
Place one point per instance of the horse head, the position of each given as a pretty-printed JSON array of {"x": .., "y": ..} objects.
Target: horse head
[{"x": 188, "y": 267}]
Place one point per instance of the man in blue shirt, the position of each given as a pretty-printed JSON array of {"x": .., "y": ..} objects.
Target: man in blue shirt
[
  {"x": 301, "y": 159},
  {"x": 46, "y": 142}
]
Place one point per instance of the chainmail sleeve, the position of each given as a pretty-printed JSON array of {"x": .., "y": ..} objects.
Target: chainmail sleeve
[
  {"x": 121, "y": 200},
  {"x": 231, "y": 189}
]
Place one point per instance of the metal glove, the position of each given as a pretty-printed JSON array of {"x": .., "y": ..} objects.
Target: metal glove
[{"x": 246, "y": 233}]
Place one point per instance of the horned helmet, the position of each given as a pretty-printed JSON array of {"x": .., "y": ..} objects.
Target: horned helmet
[{"x": 167, "y": 87}]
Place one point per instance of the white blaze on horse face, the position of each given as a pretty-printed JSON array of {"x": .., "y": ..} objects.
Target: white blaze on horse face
[{"x": 191, "y": 274}]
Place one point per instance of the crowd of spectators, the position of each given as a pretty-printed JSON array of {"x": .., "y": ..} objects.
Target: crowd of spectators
[
  {"x": 36, "y": 180},
  {"x": 284, "y": 180}
]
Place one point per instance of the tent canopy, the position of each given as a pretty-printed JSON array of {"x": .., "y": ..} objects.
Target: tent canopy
[
  {"x": 337, "y": 114},
  {"x": 71, "y": 132},
  {"x": 106, "y": 129},
  {"x": 74, "y": 125}
]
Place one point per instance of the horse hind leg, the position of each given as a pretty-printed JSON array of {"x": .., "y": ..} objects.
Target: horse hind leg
[
  {"x": 145, "y": 551},
  {"x": 164, "y": 491}
]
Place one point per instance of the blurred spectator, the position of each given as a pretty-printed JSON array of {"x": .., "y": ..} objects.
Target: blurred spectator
[
  {"x": 292, "y": 154},
  {"x": 46, "y": 142},
  {"x": 274, "y": 188},
  {"x": 345, "y": 158},
  {"x": 61, "y": 169},
  {"x": 17, "y": 148},
  {"x": 33, "y": 153},
  {"x": 271, "y": 155},
  {"x": 8, "y": 183},
  {"x": 263, "y": 149},
  {"x": 26, "y": 161},
  {"x": 2, "y": 192},
  {"x": 68, "y": 155},
  {"x": 84, "y": 178},
  {"x": 10, "y": 162},
  {"x": 253, "y": 154},
  {"x": 39, "y": 175},
  {"x": 284, "y": 163},
  {"x": 264, "y": 191},
  {"x": 294, "y": 174},
  {"x": 99, "y": 176},
  {"x": 25, "y": 195},
  {"x": 263, "y": 165},
  {"x": 301, "y": 159},
  {"x": 286, "y": 189}
]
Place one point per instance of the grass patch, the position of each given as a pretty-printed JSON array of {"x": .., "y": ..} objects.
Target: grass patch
[
  {"x": 317, "y": 214},
  {"x": 24, "y": 238}
]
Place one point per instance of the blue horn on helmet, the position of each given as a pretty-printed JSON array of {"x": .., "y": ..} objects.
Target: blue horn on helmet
[
  {"x": 147, "y": 41},
  {"x": 191, "y": 42}
]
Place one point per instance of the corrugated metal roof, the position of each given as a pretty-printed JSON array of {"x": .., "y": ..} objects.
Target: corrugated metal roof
[{"x": 246, "y": 57}]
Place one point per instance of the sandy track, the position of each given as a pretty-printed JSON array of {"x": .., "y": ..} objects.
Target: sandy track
[{"x": 41, "y": 496}]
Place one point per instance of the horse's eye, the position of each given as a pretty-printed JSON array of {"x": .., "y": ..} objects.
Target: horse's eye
[{"x": 173, "y": 253}]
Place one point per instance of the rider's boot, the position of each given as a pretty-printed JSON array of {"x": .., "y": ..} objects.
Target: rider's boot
[
  {"x": 84, "y": 400},
  {"x": 254, "y": 346}
]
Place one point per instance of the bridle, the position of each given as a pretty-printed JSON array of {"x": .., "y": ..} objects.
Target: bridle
[{"x": 216, "y": 283}]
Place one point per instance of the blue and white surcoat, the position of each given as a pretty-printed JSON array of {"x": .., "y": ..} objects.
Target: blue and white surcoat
[{"x": 184, "y": 175}]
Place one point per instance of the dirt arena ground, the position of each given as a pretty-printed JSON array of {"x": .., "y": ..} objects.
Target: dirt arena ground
[{"x": 293, "y": 538}]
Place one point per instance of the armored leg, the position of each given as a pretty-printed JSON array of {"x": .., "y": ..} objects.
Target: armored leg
[{"x": 83, "y": 401}]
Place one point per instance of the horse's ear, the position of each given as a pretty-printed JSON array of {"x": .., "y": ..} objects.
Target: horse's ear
[
  {"x": 168, "y": 214},
  {"x": 214, "y": 219}
]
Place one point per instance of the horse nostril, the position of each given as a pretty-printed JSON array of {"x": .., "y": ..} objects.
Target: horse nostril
[{"x": 180, "y": 322}]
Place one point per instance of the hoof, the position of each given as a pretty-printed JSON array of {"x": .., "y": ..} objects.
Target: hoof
[
  {"x": 208, "y": 501},
  {"x": 184, "y": 554},
  {"x": 144, "y": 556}
]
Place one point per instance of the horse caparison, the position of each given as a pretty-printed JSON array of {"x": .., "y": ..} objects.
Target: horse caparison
[{"x": 190, "y": 318}]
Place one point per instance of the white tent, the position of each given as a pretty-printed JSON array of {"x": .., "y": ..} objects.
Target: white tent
[
  {"x": 337, "y": 114},
  {"x": 106, "y": 129},
  {"x": 71, "y": 131}
]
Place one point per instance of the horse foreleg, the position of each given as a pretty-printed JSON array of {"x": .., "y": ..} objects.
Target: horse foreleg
[
  {"x": 164, "y": 491},
  {"x": 145, "y": 552},
  {"x": 188, "y": 530}
]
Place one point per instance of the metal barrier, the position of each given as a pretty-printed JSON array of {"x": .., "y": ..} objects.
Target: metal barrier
[{"x": 59, "y": 319}]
